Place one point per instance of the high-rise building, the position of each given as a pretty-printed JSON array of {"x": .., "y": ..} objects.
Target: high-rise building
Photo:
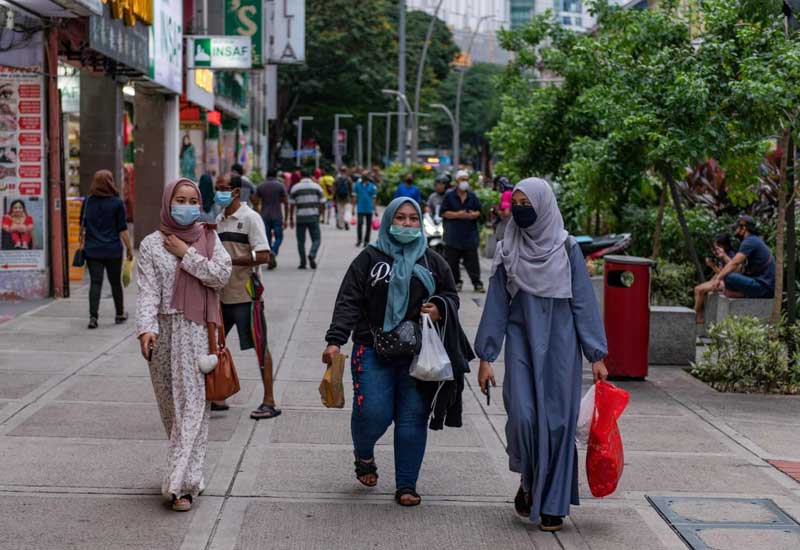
[
  {"x": 463, "y": 16},
  {"x": 570, "y": 13}
]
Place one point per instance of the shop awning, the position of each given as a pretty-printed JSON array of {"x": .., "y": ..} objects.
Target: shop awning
[{"x": 57, "y": 8}]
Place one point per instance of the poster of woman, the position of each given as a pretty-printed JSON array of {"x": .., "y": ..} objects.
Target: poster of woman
[{"x": 22, "y": 223}]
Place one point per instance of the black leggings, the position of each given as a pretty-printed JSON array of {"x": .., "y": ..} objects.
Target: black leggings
[
  {"x": 365, "y": 218},
  {"x": 113, "y": 268}
]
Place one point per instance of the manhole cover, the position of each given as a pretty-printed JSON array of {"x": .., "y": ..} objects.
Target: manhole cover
[{"x": 728, "y": 523}]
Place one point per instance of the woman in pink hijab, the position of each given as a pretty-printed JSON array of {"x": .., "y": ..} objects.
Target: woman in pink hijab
[{"x": 181, "y": 268}]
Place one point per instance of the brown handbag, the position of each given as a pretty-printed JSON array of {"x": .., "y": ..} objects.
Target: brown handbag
[{"x": 222, "y": 382}]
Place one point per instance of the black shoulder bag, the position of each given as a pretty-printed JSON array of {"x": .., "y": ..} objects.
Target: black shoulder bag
[{"x": 79, "y": 260}]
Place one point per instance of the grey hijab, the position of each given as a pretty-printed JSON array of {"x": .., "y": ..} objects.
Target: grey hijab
[{"x": 536, "y": 258}]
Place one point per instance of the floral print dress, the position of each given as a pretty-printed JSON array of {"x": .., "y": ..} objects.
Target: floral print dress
[{"x": 178, "y": 383}]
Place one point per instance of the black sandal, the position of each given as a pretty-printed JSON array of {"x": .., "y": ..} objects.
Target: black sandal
[
  {"x": 366, "y": 469},
  {"x": 400, "y": 493}
]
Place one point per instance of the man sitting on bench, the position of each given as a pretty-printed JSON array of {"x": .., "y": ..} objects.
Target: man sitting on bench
[{"x": 757, "y": 279}]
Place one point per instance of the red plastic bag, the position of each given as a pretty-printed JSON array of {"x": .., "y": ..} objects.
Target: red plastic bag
[
  {"x": 605, "y": 459},
  {"x": 376, "y": 222}
]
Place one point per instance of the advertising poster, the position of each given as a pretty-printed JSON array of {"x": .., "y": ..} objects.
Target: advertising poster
[
  {"x": 22, "y": 171},
  {"x": 74, "y": 235}
]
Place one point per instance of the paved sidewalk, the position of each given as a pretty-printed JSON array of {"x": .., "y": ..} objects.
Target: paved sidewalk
[{"x": 82, "y": 448}]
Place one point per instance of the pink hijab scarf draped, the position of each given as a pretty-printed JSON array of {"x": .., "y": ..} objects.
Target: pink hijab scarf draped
[{"x": 198, "y": 302}]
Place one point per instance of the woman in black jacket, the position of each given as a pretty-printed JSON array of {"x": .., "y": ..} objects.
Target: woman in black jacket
[{"x": 394, "y": 280}]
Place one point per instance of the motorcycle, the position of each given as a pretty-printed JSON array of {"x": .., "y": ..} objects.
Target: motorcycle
[
  {"x": 434, "y": 232},
  {"x": 594, "y": 248}
]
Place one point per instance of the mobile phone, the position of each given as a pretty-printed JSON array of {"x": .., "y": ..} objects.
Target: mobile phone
[
  {"x": 150, "y": 353},
  {"x": 488, "y": 392}
]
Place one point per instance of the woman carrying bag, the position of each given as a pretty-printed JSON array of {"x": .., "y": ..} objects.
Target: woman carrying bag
[
  {"x": 541, "y": 302},
  {"x": 180, "y": 270},
  {"x": 104, "y": 229},
  {"x": 382, "y": 297}
]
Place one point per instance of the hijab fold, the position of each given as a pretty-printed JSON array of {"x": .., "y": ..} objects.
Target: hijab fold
[
  {"x": 405, "y": 264},
  {"x": 536, "y": 259},
  {"x": 199, "y": 303}
]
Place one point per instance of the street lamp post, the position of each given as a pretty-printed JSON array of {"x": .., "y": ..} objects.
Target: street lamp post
[
  {"x": 300, "y": 137},
  {"x": 457, "y": 140},
  {"x": 337, "y": 153},
  {"x": 360, "y": 130},
  {"x": 401, "y": 83},
  {"x": 417, "y": 90},
  {"x": 454, "y": 125},
  {"x": 401, "y": 122}
]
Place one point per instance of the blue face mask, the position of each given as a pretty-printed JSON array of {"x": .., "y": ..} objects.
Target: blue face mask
[
  {"x": 405, "y": 235},
  {"x": 524, "y": 216},
  {"x": 223, "y": 198},
  {"x": 185, "y": 214}
]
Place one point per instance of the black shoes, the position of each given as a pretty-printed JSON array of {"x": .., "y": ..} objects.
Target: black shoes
[
  {"x": 312, "y": 261},
  {"x": 301, "y": 266},
  {"x": 459, "y": 286},
  {"x": 119, "y": 319},
  {"x": 92, "y": 322},
  {"x": 358, "y": 243},
  {"x": 479, "y": 289},
  {"x": 551, "y": 524},
  {"x": 522, "y": 503}
]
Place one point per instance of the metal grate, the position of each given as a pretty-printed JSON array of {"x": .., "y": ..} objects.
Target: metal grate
[{"x": 746, "y": 515}]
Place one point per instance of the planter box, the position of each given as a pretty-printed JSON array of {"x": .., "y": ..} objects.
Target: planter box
[
  {"x": 718, "y": 307},
  {"x": 672, "y": 336}
]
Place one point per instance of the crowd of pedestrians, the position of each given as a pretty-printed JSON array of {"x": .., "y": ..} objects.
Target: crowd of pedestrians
[{"x": 201, "y": 270}]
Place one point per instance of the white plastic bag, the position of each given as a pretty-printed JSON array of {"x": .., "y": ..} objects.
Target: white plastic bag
[
  {"x": 585, "y": 417},
  {"x": 432, "y": 364},
  {"x": 349, "y": 218}
]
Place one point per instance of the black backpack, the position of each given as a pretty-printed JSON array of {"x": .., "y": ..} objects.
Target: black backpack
[{"x": 342, "y": 188}]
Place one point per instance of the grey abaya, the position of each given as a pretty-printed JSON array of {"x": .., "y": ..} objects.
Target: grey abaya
[{"x": 542, "y": 387}]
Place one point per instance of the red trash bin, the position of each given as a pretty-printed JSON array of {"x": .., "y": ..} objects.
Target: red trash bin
[{"x": 627, "y": 315}]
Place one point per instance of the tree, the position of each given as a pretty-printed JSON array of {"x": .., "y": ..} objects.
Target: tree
[
  {"x": 351, "y": 55},
  {"x": 480, "y": 109}
]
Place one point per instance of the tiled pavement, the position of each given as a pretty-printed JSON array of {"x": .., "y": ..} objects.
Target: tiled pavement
[{"x": 82, "y": 448}]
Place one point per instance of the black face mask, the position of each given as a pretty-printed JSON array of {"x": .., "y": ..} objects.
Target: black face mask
[{"x": 524, "y": 216}]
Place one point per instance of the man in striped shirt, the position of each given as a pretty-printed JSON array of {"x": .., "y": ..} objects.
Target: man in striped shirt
[{"x": 307, "y": 201}]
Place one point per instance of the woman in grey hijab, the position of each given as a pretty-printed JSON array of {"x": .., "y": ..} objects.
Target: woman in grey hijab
[{"x": 540, "y": 301}]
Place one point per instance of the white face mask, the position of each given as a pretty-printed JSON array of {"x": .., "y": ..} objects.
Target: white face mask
[{"x": 463, "y": 185}]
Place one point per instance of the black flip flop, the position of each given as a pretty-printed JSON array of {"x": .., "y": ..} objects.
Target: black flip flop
[
  {"x": 366, "y": 469},
  {"x": 265, "y": 412}
]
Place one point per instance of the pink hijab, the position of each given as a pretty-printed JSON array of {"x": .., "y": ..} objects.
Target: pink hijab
[{"x": 198, "y": 302}]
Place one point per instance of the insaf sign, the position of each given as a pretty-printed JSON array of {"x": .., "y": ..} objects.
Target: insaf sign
[{"x": 219, "y": 52}]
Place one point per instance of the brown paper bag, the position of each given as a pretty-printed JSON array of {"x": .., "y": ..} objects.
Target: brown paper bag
[{"x": 331, "y": 389}]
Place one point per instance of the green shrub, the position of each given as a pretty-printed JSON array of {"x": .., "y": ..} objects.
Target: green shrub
[
  {"x": 672, "y": 285},
  {"x": 746, "y": 355}
]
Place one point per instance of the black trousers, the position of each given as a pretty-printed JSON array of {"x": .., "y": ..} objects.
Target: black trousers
[
  {"x": 112, "y": 268},
  {"x": 364, "y": 218},
  {"x": 471, "y": 263}
]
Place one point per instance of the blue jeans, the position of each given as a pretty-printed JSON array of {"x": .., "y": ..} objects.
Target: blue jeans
[
  {"x": 274, "y": 234},
  {"x": 748, "y": 286},
  {"x": 316, "y": 239},
  {"x": 385, "y": 392}
]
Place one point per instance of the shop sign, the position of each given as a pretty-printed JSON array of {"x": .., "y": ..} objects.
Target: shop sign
[
  {"x": 287, "y": 30},
  {"x": 166, "y": 45},
  {"x": 130, "y": 11},
  {"x": 70, "y": 88},
  {"x": 200, "y": 87},
  {"x": 112, "y": 38},
  {"x": 22, "y": 171},
  {"x": 219, "y": 52},
  {"x": 246, "y": 18}
]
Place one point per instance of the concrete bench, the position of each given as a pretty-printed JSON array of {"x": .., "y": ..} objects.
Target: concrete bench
[
  {"x": 718, "y": 307},
  {"x": 672, "y": 336}
]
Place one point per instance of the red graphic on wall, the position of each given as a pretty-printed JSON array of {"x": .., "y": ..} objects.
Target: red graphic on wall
[
  {"x": 30, "y": 123},
  {"x": 34, "y": 140},
  {"x": 30, "y": 91},
  {"x": 30, "y": 188},
  {"x": 29, "y": 107},
  {"x": 30, "y": 172},
  {"x": 30, "y": 155}
]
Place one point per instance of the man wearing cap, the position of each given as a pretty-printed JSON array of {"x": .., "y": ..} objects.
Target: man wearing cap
[
  {"x": 757, "y": 279},
  {"x": 461, "y": 209}
]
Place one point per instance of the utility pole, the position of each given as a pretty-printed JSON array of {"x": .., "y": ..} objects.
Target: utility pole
[
  {"x": 418, "y": 89},
  {"x": 401, "y": 85},
  {"x": 454, "y": 125},
  {"x": 337, "y": 152},
  {"x": 457, "y": 141},
  {"x": 300, "y": 137},
  {"x": 388, "y": 140},
  {"x": 360, "y": 155}
]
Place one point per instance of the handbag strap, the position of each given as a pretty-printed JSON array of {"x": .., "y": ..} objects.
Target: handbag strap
[{"x": 216, "y": 338}]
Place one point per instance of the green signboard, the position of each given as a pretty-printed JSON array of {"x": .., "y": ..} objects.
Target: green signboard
[
  {"x": 219, "y": 52},
  {"x": 246, "y": 18}
]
